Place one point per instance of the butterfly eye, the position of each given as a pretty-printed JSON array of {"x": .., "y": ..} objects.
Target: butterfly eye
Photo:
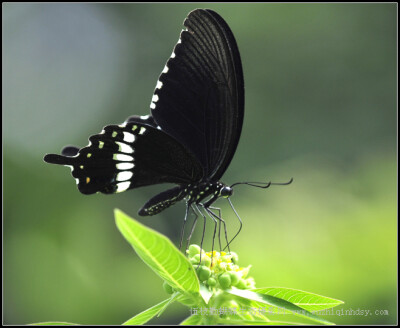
[{"x": 226, "y": 192}]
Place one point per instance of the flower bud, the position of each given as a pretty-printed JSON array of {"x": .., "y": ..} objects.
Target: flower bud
[
  {"x": 222, "y": 266},
  {"x": 193, "y": 250},
  {"x": 241, "y": 284},
  {"x": 205, "y": 260},
  {"x": 226, "y": 258},
  {"x": 235, "y": 257},
  {"x": 211, "y": 282},
  {"x": 203, "y": 273},
  {"x": 225, "y": 280},
  {"x": 245, "y": 271},
  {"x": 235, "y": 277},
  {"x": 195, "y": 259},
  {"x": 250, "y": 283}
]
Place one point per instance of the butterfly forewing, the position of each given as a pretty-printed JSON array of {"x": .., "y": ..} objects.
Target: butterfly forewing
[
  {"x": 199, "y": 97},
  {"x": 130, "y": 156}
]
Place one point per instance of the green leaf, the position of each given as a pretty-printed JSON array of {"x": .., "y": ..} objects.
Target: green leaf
[
  {"x": 148, "y": 314},
  {"x": 205, "y": 293},
  {"x": 308, "y": 301},
  {"x": 190, "y": 300},
  {"x": 158, "y": 252},
  {"x": 171, "y": 300},
  {"x": 278, "y": 303},
  {"x": 54, "y": 323},
  {"x": 193, "y": 320},
  {"x": 256, "y": 322}
]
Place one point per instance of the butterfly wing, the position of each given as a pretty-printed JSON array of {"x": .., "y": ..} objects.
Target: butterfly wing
[
  {"x": 128, "y": 156},
  {"x": 148, "y": 120},
  {"x": 199, "y": 97}
]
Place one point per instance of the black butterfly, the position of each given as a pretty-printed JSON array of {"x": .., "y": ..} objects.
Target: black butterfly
[{"x": 191, "y": 135}]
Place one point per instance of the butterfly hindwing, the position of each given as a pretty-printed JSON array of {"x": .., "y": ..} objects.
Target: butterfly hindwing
[
  {"x": 128, "y": 156},
  {"x": 199, "y": 97},
  {"x": 147, "y": 119},
  {"x": 70, "y": 151}
]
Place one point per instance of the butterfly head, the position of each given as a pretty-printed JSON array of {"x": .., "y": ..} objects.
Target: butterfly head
[{"x": 226, "y": 192}]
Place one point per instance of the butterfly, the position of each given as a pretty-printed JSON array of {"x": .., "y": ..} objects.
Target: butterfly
[{"x": 188, "y": 139}]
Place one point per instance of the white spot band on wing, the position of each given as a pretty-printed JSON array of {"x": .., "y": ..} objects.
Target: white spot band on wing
[
  {"x": 123, "y": 158},
  {"x": 129, "y": 137},
  {"x": 124, "y": 148},
  {"x": 122, "y": 186},
  {"x": 125, "y": 175},
  {"x": 125, "y": 166}
]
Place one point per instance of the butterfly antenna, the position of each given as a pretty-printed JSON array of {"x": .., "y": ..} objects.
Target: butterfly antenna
[
  {"x": 264, "y": 185},
  {"x": 240, "y": 221}
]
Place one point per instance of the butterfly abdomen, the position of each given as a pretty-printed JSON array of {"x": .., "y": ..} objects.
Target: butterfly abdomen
[{"x": 162, "y": 201}]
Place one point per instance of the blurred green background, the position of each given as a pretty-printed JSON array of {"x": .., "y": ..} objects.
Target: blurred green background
[{"x": 320, "y": 107}]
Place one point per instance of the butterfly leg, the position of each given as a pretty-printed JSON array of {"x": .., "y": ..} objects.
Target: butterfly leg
[
  {"x": 193, "y": 226},
  {"x": 204, "y": 228},
  {"x": 221, "y": 220},
  {"x": 216, "y": 223},
  {"x": 219, "y": 226},
  {"x": 240, "y": 222},
  {"x": 183, "y": 225}
]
